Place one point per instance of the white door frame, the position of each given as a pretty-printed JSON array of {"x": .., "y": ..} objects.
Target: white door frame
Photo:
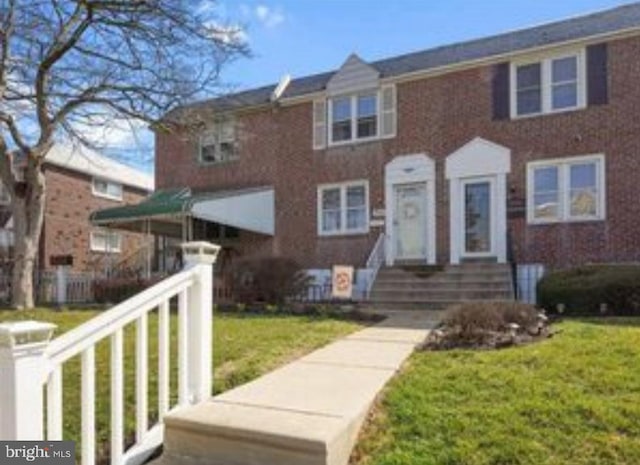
[
  {"x": 395, "y": 225},
  {"x": 493, "y": 242},
  {"x": 478, "y": 159},
  {"x": 410, "y": 169}
]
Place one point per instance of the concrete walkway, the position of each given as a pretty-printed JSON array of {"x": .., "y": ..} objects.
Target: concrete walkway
[{"x": 308, "y": 412}]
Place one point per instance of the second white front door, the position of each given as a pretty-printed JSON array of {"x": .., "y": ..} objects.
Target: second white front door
[
  {"x": 478, "y": 217},
  {"x": 410, "y": 221}
]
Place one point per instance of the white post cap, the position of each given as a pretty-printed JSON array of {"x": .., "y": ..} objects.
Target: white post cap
[
  {"x": 200, "y": 252},
  {"x": 23, "y": 334}
]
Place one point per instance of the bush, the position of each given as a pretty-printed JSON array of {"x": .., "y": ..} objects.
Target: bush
[
  {"x": 583, "y": 289},
  {"x": 114, "y": 290},
  {"x": 474, "y": 321},
  {"x": 267, "y": 279}
]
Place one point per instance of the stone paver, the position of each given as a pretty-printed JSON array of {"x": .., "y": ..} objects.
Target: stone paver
[{"x": 308, "y": 412}]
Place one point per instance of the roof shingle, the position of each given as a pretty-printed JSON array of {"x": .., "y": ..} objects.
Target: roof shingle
[{"x": 603, "y": 22}]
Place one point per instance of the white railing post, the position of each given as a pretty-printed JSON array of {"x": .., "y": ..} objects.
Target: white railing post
[
  {"x": 23, "y": 370},
  {"x": 61, "y": 284},
  {"x": 200, "y": 257}
]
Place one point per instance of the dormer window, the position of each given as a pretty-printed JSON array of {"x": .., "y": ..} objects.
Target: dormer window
[
  {"x": 356, "y": 107},
  {"x": 353, "y": 117},
  {"x": 367, "y": 116},
  {"x": 218, "y": 144},
  {"x": 341, "y": 119}
]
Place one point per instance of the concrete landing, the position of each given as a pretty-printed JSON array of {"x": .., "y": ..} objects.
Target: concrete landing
[{"x": 308, "y": 412}]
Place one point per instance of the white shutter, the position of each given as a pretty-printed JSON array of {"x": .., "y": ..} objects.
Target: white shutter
[
  {"x": 319, "y": 124},
  {"x": 388, "y": 111}
]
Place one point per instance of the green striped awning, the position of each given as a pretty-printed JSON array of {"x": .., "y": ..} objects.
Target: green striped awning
[{"x": 251, "y": 209}]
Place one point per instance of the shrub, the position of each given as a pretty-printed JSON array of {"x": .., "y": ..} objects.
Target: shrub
[
  {"x": 114, "y": 290},
  {"x": 474, "y": 321},
  {"x": 583, "y": 289},
  {"x": 267, "y": 279}
]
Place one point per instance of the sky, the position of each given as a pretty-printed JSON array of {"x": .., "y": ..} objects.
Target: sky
[{"x": 302, "y": 37}]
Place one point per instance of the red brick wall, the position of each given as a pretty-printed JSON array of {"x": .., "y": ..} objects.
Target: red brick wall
[
  {"x": 69, "y": 202},
  {"x": 435, "y": 116}
]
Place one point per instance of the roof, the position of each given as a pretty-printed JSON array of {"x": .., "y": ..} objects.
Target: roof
[
  {"x": 84, "y": 160},
  {"x": 582, "y": 27}
]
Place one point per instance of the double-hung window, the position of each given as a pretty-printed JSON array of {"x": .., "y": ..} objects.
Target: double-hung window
[
  {"x": 106, "y": 241},
  {"x": 354, "y": 117},
  {"x": 568, "y": 189},
  {"x": 107, "y": 189},
  {"x": 342, "y": 208},
  {"x": 219, "y": 143},
  {"x": 548, "y": 85}
]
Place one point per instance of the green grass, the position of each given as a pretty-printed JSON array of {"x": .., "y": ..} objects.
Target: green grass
[
  {"x": 244, "y": 347},
  {"x": 573, "y": 399}
]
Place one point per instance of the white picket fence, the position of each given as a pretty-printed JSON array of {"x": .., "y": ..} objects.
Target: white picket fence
[
  {"x": 49, "y": 286},
  {"x": 29, "y": 363}
]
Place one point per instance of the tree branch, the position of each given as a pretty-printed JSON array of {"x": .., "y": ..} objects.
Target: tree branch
[{"x": 65, "y": 41}]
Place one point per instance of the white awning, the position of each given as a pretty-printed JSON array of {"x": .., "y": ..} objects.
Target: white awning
[{"x": 251, "y": 210}]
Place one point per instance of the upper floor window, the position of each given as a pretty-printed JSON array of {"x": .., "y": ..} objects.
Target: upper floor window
[
  {"x": 107, "y": 189},
  {"x": 342, "y": 208},
  {"x": 354, "y": 117},
  {"x": 568, "y": 189},
  {"x": 548, "y": 85},
  {"x": 218, "y": 144},
  {"x": 106, "y": 241}
]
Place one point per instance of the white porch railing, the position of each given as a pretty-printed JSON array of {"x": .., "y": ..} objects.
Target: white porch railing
[
  {"x": 375, "y": 261},
  {"x": 29, "y": 362}
]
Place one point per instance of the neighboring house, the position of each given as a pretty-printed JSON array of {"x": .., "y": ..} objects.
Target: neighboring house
[
  {"x": 529, "y": 138},
  {"x": 78, "y": 181}
]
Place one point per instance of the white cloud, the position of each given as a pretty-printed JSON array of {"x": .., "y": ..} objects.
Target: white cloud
[
  {"x": 206, "y": 7},
  {"x": 269, "y": 17},
  {"x": 110, "y": 131},
  {"x": 227, "y": 33}
]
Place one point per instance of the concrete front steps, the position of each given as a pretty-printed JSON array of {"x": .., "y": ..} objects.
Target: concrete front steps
[
  {"x": 308, "y": 412},
  {"x": 435, "y": 288}
]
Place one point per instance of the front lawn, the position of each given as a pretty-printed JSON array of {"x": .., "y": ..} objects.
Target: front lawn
[
  {"x": 244, "y": 347},
  {"x": 573, "y": 399}
]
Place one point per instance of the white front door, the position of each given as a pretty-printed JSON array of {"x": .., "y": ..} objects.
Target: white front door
[
  {"x": 410, "y": 221},
  {"x": 478, "y": 217}
]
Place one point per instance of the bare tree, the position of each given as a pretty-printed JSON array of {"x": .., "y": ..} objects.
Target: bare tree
[{"x": 68, "y": 66}]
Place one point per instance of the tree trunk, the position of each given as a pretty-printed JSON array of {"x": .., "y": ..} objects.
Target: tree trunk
[{"x": 28, "y": 214}]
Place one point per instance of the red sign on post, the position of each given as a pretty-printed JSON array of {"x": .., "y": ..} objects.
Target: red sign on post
[{"x": 342, "y": 282}]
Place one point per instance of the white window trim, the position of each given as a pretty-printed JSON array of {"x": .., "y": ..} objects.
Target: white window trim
[
  {"x": 95, "y": 248},
  {"x": 563, "y": 165},
  {"x": 343, "y": 231},
  {"x": 546, "y": 82},
  {"x": 105, "y": 195},
  {"x": 354, "y": 118}
]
